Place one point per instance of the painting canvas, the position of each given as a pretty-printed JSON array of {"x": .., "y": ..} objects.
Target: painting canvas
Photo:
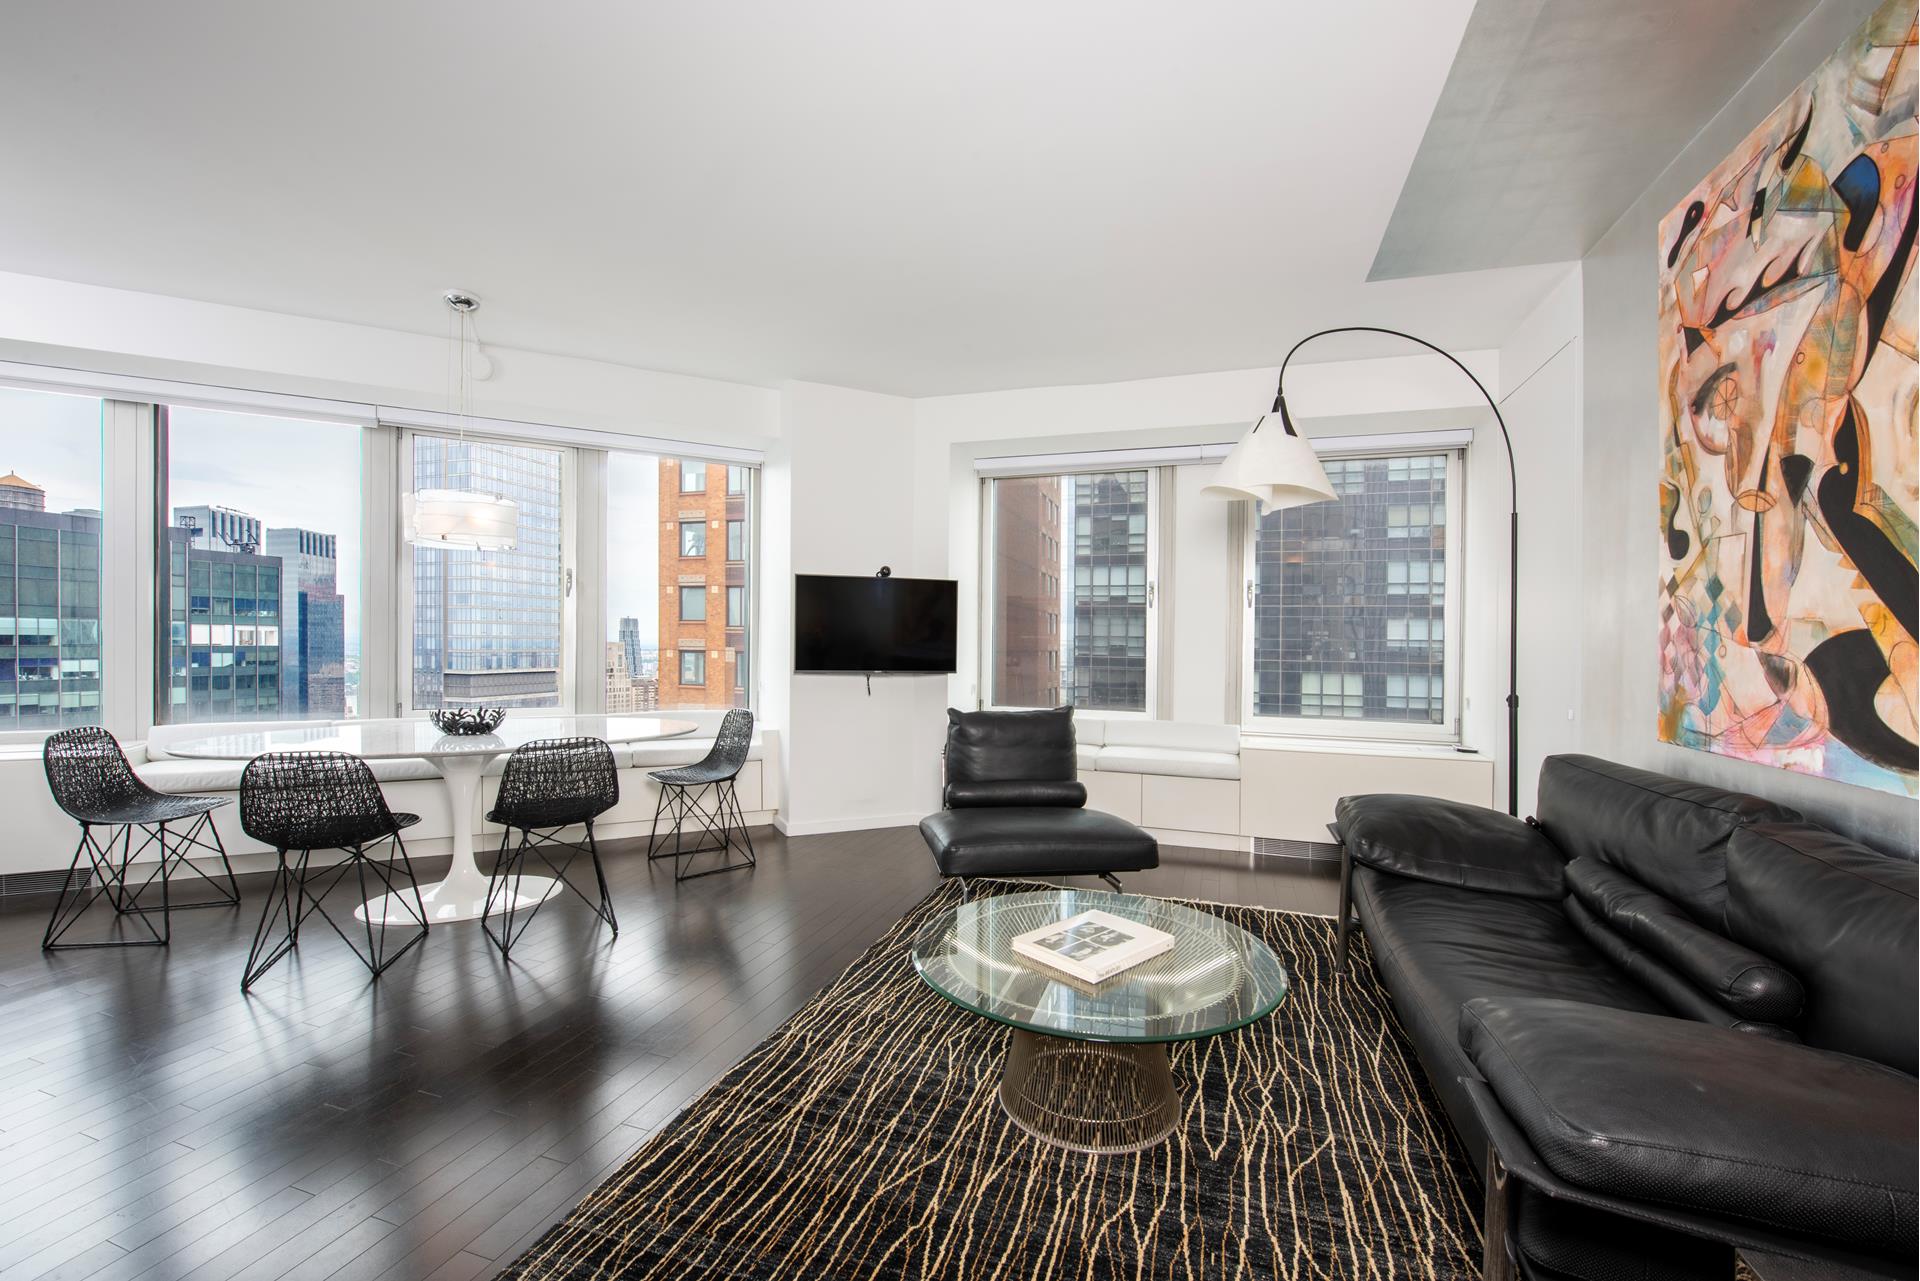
[{"x": 1788, "y": 403}]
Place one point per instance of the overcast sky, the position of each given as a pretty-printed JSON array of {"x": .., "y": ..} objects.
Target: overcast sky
[{"x": 296, "y": 473}]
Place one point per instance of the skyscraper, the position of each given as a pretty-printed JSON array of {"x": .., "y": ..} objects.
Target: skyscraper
[
  {"x": 630, "y": 642},
  {"x": 219, "y": 528},
  {"x": 313, "y": 631},
  {"x": 620, "y": 691},
  {"x": 486, "y": 624},
  {"x": 1109, "y": 641},
  {"x": 223, "y": 634},
  {"x": 703, "y": 584},
  {"x": 49, "y": 611},
  {"x": 1026, "y": 581}
]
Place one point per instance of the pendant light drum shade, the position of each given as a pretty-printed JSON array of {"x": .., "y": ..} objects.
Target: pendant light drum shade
[
  {"x": 461, "y": 518},
  {"x": 1272, "y": 465}
]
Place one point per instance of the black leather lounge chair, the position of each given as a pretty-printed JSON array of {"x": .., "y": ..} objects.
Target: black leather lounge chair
[{"x": 1014, "y": 806}]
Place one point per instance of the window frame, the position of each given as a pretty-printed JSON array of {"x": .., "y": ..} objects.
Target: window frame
[
  {"x": 1159, "y": 478},
  {"x": 683, "y": 655},
  {"x": 1449, "y": 730},
  {"x": 699, "y": 591}
]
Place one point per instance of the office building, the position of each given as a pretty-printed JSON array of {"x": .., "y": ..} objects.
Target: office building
[
  {"x": 704, "y": 536},
  {"x": 313, "y": 676}
]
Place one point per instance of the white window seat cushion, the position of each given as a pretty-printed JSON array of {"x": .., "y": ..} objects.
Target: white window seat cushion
[
  {"x": 1177, "y": 736},
  {"x": 1173, "y": 761},
  {"x": 1087, "y": 755},
  {"x": 182, "y": 775}
]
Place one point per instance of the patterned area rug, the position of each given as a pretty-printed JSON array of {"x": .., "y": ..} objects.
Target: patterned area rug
[{"x": 864, "y": 1140}]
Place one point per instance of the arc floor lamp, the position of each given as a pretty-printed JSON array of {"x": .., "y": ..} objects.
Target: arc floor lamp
[{"x": 1275, "y": 465}]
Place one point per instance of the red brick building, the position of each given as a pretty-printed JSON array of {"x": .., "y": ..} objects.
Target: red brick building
[{"x": 704, "y": 603}]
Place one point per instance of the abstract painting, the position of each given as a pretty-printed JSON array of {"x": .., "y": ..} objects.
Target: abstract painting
[{"x": 1788, "y": 400}]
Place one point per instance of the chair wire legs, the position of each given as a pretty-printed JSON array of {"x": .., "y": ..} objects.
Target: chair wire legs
[
  {"x": 109, "y": 875},
  {"x": 298, "y": 892},
  {"x": 507, "y": 905},
  {"x": 715, "y": 811},
  {"x": 175, "y": 847}
]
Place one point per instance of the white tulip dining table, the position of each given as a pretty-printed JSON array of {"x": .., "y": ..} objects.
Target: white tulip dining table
[{"x": 460, "y": 760}]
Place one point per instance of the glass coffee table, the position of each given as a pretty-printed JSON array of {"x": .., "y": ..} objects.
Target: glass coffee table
[{"x": 1087, "y": 1065}]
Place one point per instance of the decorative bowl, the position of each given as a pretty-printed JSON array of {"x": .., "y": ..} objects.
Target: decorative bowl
[{"x": 467, "y": 720}]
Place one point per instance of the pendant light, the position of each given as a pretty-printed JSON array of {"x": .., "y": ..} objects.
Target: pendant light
[{"x": 467, "y": 519}]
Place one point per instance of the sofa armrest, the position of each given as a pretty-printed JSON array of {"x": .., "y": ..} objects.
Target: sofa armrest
[
  {"x": 1705, "y": 1119},
  {"x": 1450, "y": 843}
]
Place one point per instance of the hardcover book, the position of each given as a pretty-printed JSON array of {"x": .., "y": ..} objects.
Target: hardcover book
[{"x": 1093, "y": 945}]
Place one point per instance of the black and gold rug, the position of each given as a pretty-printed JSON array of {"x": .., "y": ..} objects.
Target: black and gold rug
[{"x": 864, "y": 1139}]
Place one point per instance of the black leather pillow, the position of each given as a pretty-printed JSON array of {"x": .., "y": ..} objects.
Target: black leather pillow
[
  {"x": 1449, "y": 843},
  {"x": 1010, "y": 747},
  {"x": 1669, "y": 1110},
  {"x": 1667, "y": 833},
  {"x": 1732, "y": 975},
  {"x": 1844, "y": 917},
  {"x": 1047, "y": 792}
]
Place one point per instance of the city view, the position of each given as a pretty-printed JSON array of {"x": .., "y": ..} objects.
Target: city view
[{"x": 262, "y": 586}]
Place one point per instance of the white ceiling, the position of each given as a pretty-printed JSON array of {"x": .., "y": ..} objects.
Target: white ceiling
[{"x": 906, "y": 197}]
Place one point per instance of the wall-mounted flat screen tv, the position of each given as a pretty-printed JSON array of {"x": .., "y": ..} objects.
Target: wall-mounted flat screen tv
[{"x": 843, "y": 624}]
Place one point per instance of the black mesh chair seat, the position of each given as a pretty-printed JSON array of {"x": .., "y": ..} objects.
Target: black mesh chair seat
[
  {"x": 93, "y": 784},
  {"x": 704, "y": 792},
  {"x": 159, "y": 807},
  {"x": 299, "y": 802},
  {"x": 548, "y": 786}
]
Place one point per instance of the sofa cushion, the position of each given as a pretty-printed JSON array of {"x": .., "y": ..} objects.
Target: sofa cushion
[
  {"x": 1437, "y": 946},
  {"x": 1733, "y": 975},
  {"x": 181, "y": 774},
  {"x": 1666, "y": 833},
  {"x": 1669, "y": 1110},
  {"x": 1179, "y": 762},
  {"x": 1844, "y": 918},
  {"x": 1001, "y": 747},
  {"x": 1449, "y": 843},
  {"x": 1039, "y": 841},
  {"x": 1186, "y": 736}
]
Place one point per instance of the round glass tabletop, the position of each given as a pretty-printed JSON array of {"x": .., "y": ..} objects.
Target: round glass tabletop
[{"x": 1217, "y": 977}]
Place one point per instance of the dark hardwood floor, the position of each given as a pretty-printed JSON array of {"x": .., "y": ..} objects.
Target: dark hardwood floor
[{"x": 157, "y": 1124}]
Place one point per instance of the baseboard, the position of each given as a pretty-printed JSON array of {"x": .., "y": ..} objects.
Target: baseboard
[{"x": 828, "y": 826}]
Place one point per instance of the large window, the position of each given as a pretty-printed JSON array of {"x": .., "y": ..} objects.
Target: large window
[
  {"x": 678, "y": 580},
  {"x": 1072, "y": 590},
  {"x": 488, "y": 627},
  {"x": 50, "y": 528},
  {"x": 1350, "y": 601},
  {"x": 259, "y": 561}
]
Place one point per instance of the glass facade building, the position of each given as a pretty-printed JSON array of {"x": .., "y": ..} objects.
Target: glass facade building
[
  {"x": 1350, "y": 597},
  {"x": 487, "y": 624},
  {"x": 223, "y": 631},
  {"x": 1109, "y": 618},
  {"x": 49, "y": 614}
]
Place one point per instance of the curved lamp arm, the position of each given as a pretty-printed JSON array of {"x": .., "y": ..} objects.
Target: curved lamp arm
[{"x": 1513, "y": 530}]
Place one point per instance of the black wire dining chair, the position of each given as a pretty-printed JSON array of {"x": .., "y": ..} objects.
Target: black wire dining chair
[
  {"x": 299, "y": 802},
  {"x": 705, "y": 793},
  {"x": 94, "y": 785},
  {"x": 549, "y": 785}
]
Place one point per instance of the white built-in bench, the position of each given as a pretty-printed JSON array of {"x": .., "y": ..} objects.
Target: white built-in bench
[{"x": 1201, "y": 784}]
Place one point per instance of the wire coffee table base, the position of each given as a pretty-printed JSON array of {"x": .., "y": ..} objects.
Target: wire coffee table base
[{"x": 1090, "y": 1096}]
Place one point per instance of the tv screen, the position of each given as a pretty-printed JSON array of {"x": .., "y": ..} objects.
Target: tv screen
[{"x": 873, "y": 624}]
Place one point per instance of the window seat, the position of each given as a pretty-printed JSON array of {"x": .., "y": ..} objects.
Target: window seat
[
  {"x": 1201, "y": 784},
  {"x": 1180, "y": 749}
]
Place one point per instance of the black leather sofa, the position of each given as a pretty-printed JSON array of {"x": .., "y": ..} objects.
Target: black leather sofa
[
  {"x": 1014, "y": 805},
  {"x": 1666, "y": 1020}
]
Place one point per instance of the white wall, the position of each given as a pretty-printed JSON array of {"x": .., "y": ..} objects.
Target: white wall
[
  {"x": 1540, "y": 400},
  {"x": 854, "y": 758},
  {"x": 1620, "y": 463},
  {"x": 56, "y": 322}
]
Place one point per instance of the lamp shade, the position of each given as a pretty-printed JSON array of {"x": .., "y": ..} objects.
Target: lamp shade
[
  {"x": 1274, "y": 466},
  {"x": 461, "y": 518}
]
